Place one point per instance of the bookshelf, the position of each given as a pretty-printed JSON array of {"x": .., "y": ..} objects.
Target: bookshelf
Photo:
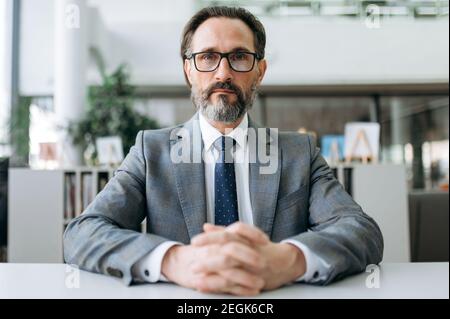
[{"x": 42, "y": 203}]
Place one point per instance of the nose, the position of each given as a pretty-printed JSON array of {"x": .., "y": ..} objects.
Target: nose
[{"x": 224, "y": 73}]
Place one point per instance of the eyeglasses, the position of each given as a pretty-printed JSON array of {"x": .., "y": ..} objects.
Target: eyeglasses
[{"x": 239, "y": 61}]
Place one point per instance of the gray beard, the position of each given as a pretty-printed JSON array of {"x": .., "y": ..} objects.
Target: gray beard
[{"x": 223, "y": 110}]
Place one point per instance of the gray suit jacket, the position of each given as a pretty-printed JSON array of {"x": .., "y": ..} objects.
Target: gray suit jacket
[{"x": 302, "y": 200}]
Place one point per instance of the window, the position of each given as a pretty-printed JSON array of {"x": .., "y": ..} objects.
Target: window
[
  {"x": 415, "y": 132},
  {"x": 5, "y": 64},
  {"x": 321, "y": 115}
]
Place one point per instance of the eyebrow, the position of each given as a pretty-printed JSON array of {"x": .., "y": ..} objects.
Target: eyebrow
[{"x": 213, "y": 49}]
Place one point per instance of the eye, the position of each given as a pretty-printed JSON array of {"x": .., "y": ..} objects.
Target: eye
[
  {"x": 240, "y": 56},
  {"x": 208, "y": 56}
]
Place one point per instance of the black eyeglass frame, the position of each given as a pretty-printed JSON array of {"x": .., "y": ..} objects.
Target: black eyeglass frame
[{"x": 224, "y": 55}]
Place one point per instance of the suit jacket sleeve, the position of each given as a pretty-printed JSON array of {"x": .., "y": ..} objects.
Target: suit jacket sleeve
[
  {"x": 106, "y": 238},
  {"x": 340, "y": 233}
]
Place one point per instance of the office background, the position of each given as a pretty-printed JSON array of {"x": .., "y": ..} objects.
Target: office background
[{"x": 330, "y": 62}]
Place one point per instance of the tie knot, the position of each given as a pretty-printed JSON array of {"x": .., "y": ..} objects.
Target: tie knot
[{"x": 225, "y": 145}]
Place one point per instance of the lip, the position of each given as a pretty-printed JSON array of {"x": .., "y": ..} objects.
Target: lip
[{"x": 223, "y": 91}]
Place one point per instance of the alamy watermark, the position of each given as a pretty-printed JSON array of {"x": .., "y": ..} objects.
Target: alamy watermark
[
  {"x": 72, "y": 16},
  {"x": 261, "y": 143},
  {"x": 373, "y": 16},
  {"x": 72, "y": 278},
  {"x": 373, "y": 279}
]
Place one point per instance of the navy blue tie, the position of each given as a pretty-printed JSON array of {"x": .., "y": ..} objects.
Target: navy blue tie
[{"x": 225, "y": 196}]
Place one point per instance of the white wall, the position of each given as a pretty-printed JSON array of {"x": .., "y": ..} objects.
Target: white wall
[
  {"x": 120, "y": 11},
  {"x": 299, "y": 51},
  {"x": 329, "y": 52},
  {"x": 151, "y": 49},
  {"x": 306, "y": 52},
  {"x": 37, "y": 45}
]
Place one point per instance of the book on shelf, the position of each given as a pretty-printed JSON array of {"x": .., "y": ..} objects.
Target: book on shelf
[
  {"x": 80, "y": 189},
  {"x": 103, "y": 179},
  {"x": 86, "y": 190},
  {"x": 69, "y": 196}
]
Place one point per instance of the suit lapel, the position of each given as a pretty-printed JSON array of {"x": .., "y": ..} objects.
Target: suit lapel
[
  {"x": 190, "y": 180},
  {"x": 263, "y": 187},
  {"x": 190, "y": 177}
]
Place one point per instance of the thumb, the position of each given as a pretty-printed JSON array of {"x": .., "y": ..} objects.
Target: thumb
[{"x": 211, "y": 228}]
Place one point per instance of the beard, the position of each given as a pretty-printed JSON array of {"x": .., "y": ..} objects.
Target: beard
[{"x": 223, "y": 110}]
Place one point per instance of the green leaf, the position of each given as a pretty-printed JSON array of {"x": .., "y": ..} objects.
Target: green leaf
[{"x": 110, "y": 112}]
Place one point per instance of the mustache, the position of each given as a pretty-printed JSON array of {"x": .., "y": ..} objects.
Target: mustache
[{"x": 223, "y": 86}]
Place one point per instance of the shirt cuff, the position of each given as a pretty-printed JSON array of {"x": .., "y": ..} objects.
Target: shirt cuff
[
  {"x": 148, "y": 268},
  {"x": 316, "y": 267}
]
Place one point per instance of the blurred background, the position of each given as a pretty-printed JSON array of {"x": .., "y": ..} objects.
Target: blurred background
[{"x": 74, "y": 71}]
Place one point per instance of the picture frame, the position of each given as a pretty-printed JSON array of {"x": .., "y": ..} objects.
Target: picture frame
[
  {"x": 109, "y": 150},
  {"x": 332, "y": 148},
  {"x": 362, "y": 142}
]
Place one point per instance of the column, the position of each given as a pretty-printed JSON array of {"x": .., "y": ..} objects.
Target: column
[{"x": 71, "y": 53}]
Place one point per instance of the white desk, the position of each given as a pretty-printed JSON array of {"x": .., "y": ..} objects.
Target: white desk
[{"x": 408, "y": 280}]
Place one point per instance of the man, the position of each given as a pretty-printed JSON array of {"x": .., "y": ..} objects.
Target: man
[{"x": 220, "y": 224}]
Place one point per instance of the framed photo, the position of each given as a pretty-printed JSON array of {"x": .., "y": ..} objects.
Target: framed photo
[
  {"x": 109, "y": 150},
  {"x": 47, "y": 151},
  {"x": 332, "y": 148},
  {"x": 362, "y": 141}
]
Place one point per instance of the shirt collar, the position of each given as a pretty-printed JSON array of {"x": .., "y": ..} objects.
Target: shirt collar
[{"x": 210, "y": 134}]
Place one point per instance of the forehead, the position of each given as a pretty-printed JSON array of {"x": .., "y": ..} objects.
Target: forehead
[{"x": 222, "y": 34}]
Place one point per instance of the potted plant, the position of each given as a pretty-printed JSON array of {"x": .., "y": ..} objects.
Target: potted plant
[{"x": 110, "y": 113}]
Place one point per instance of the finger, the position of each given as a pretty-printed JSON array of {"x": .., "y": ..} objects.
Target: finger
[
  {"x": 218, "y": 237},
  {"x": 214, "y": 283},
  {"x": 246, "y": 255},
  {"x": 228, "y": 256},
  {"x": 239, "y": 228},
  {"x": 243, "y": 278},
  {"x": 211, "y": 283},
  {"x": 213, "y": 264},
  {"x": 249, "y": 232},
  {"x": 210, "y": 227},
  {"x": 242, "y": 291}
]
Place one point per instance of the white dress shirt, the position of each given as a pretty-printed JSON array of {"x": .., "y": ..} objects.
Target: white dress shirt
[{"x": 149, "y": 267}]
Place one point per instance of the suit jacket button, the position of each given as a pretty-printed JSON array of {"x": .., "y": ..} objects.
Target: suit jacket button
[{"x": 114, "y": 272}]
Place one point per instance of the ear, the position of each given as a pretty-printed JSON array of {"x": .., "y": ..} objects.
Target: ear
[
  {"x": 262, "y": 67},
  {"x": 187, "y": 71}
]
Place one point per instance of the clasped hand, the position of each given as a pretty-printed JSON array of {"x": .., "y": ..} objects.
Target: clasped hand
[{"x": 239, "y": 259}]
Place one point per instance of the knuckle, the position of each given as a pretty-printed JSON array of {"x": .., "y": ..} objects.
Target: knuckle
[
  {"x": 227, "y": 237},
  {"x": 240, "y": 227},
  {"x": 253, "y": 260},
  {"x": 199, "y": 237},
  {"x": 226, "y": 282},
  {"x": 227, "y": 259},
  {"x": 199, "y": 283},
  {"x": 208, "y": 251},
  {"x": 230, "y": 248},
  {"x": 260, "y": 283}
]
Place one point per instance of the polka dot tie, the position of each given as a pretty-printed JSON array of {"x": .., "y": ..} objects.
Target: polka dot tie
[{"x": 225, "y": 200}]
